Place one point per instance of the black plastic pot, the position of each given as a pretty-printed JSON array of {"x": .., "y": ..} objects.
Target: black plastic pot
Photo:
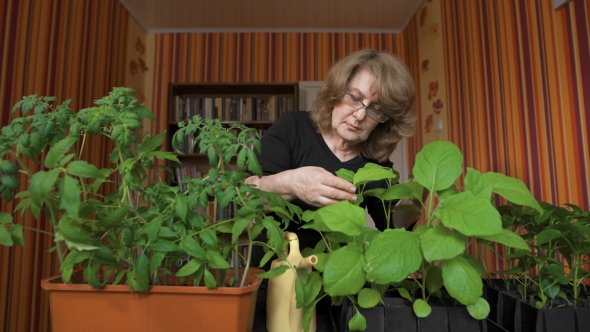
[
  {"x": 398, "y": 316},
  {"x": 519, "y": 316}
]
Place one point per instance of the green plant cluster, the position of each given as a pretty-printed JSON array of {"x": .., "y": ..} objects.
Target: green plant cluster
[
  {"x": 361, "y": 263},
  {"x": 145, "y": 227},
  {"x": 554, "y": 268}
]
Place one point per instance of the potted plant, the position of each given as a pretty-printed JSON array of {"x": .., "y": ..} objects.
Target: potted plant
[
  {"x": 546, "y": 285},
  {"x": 359, "y": 264},
  {"x": 130, "y": 243}
]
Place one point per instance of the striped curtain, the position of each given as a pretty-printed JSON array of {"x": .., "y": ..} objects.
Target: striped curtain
[
  {"x": 72, "y": 50},
  {"x": 517, "y": 80}
]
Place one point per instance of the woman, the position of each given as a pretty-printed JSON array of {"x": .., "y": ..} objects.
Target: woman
[{"x": 360, "y": 114}]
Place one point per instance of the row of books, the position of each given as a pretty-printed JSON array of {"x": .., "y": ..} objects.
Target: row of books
[
  {"x": 187, "y": 145},
  {"x": 232, "y": 109}
]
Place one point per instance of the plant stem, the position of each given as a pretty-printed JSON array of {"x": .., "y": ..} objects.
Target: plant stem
[{"x": 37, "y": 230}]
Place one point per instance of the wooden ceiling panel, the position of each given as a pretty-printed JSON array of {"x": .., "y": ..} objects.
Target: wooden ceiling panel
[{"x": 388, "y": 16}]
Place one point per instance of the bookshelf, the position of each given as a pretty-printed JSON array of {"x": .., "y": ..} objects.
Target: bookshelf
[{"x": 256, "y": 105}]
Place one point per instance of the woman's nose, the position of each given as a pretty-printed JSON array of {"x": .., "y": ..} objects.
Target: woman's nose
[{"x": 361, "y": 113}]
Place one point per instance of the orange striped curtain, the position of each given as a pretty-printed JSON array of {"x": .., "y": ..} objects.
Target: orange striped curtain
[
  {"x": 517, "y": 82},
  {"x": 254, "y": 57},
  {"x": 517, "y": 78},
  {"x": 72, "y": 50}
]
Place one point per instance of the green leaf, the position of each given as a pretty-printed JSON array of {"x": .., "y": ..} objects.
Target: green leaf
[
  {"x": 253, "y": 165},
  {"x": 209, "y": 237},
  {"x": 164, "y": 246},
  {"x": 512, "y": 189},
  {"x": 357, "y": 322},
  {"x": 392, "y": 256},
  {"x": 345, "y": 174},
  {"x": 462, "y": 280},
  {"x": 69, "y": 195},
  {"x": 58, "y": 151},
  {"x": 74, "y": 232},
  {"x": 180, "y": 206},
  {"x": 480, "y": 309},
  {"x": 114, "y": 218},
  {"x": 83, "y": 169},
  {"x": 342, "y": 217},
  {"x": 547, "y": 235},
  {"x": 421, "y": 308},
  {"x": 507, "y": 238},
  {"x": 343, "y": 273},
  {"x": 273, "y": 232},
  {"x": 152, "y": 228},
  {"x": 41, "y": 183},
  {"x": 150, "y": 144},
  {"x": 438, "y": 165},
  {"x": 368, "y": 298},
  {"x": 210, "y": 281},
  {"x": 299, "y": 293},
  {"x": 476, "y": 183},
  {"x": 192, "y": 247},
  {"x": 156, "y": 261},
  {"x": 239, "y": 227},
  {"x": 216, "y": 261},
  {"x": 441, "y": 243},
  {"x": 434, "y": 281},
  {"x": 372, "y": 172},
  {"x": 403, "y": 191},
  {"x": 189, "y": 268},
  {"x": 312, "y": 287},
  {"x": 273, "y": 273},
  {"x": 5, "y": 238},
  {"x": 405, "y": 294},
  {"x": 471, "y": 215},
  {"x": 138, "y": 277}
]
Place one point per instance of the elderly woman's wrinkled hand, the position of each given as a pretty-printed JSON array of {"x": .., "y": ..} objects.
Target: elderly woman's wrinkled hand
[{"x": 318, "y": 187}]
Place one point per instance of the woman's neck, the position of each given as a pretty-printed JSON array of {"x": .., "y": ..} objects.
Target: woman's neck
[{"x": 340, "y": 148}]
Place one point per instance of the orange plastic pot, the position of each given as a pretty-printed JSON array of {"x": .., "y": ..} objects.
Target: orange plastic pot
[{"x": 78, "y": 307}]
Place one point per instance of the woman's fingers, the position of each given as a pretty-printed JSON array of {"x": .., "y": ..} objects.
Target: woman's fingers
[{"x": 319, "y": 187}]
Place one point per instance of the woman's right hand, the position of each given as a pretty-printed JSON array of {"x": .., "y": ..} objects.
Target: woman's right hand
[{"x": 313, "y": 185}]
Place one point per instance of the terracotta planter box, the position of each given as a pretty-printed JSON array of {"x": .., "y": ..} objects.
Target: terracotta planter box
[{"x": 77, "y": 307}]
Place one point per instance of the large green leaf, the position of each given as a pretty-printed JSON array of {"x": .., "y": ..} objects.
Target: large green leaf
[
  {"x": 462, "y": 280},
  {"x": 512, "y": 189},
  {"x": 441, "y": 243},
  {"x": 83, "y": 169},
  {"x": 438, "y": 165},
  {"x": 57, "y": 152},
  {"x": 152, "y": 143},
  {"x": 372, "y": 172},
  {"x": 547, "y": 235},
  {"x": 392, "y": 256},
  {"x": 470, "y": 215},
  {"x": 357, "y": 322},
  {"x": 138, "y": 276},
  {"x": 41, "y": 183},
  {"x": 406, "y": 190},
  {"x": 74, "y": 232},
  {"x": 69, "y": 195},
  {"x": 507, "y": 238},
  {"x": 343, "y": 273},
  {"x": 192, "y": 247},
  {"x": 477, "y": 184},
  {"x": 342, "y": 217}
]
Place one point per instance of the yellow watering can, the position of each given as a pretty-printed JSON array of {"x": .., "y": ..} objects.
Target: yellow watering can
[{"x": 282, "y": 314}]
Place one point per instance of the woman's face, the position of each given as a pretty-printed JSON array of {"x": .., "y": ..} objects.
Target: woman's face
[{"x": 353, "y": 126}]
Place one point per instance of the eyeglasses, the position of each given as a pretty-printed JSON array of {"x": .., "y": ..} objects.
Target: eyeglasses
[{"x": 354, "y": 102}]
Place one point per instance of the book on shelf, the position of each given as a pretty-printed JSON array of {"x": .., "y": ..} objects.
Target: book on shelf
[{"x": 242, "y": 109}]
